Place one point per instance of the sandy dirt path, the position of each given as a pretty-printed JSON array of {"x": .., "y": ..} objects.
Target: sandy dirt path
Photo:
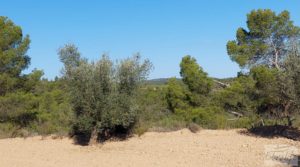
[{"x": 181, "y": 148}]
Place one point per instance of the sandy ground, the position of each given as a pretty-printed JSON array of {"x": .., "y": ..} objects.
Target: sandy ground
[{"x": 181, "y": 148}]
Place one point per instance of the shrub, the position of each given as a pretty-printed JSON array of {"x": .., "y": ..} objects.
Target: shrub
[
  {"x": 103, "y": 93},
  {"x": 177, "y": 95},
  {"x": 207, "y": 117},
  {"x": 168, "y": 123},
  {"x": 193, "y": 127},
  {"x": 140, "y": 130},
  {"x": 18, "y": 108}
]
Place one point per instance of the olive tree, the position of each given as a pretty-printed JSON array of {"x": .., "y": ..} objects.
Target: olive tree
[{"x": 103, "y": 93}]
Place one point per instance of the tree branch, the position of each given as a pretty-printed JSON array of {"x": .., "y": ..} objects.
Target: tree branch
[
  {"x": 236, "y": 113},
  {"x": 221, "y": 83}
]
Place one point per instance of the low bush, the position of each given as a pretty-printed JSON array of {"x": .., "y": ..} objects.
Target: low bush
[{"x": 194, "y": 127}]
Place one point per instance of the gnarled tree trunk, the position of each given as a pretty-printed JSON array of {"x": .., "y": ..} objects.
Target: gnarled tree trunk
[{"x": 94, "y": 137}]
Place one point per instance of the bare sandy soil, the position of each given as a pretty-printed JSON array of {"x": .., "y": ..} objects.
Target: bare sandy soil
[{"x": 180, "y": 148}]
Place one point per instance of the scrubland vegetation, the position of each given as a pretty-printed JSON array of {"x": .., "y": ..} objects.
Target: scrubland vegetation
[{"x": 96, "y": 100}]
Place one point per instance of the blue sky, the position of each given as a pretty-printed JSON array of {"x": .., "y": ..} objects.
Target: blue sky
[{"x": 161, "y": 30}]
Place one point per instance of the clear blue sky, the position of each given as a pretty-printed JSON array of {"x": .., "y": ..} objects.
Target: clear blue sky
[{"x": 161, "y": 30}]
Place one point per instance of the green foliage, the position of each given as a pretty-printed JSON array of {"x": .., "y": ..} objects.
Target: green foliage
[
  {"x": 54, "y": 111},
  {"x": 207, "y": 117},
  {"x": 289, "y": 88},
  {"x": 106, "y": 98},
  {"x": 13, "y": 58},
  {"x": 238, "y": 97},
  {"x": 266, "y": 41},
  {"x": 27, "y": 104},
  {"x": 152, "y": 104},
  {"x": 266, "y": 49},
  {"x": 244, "y": 122},
  {"x": 13, "y": 48},
  {"x": 276, "y": 91},
  {"x": 194, "y": 76},
  {"x": 193, "y": 102},
  {"x": 197, "y": 81},
  {"x": 46, "y": 110},
  {"x": 194, "y": 127},
  {"x": 266, "y": 84},
  {"x": 69, "y": 56},
  {"x": 194, "y": 89},
  {"x": 140, "y": 130},
  {"x": 17, "y": 103},
  {"x": 131, "y": 72},
  {"x": 177, "y": 95},
  {"x": 170, "y": 122},
  {"x": 19, "y": 108},
  {"x": 32, "y": 81},
  {"x": 103, "y": 94},
  {"x": 153, "y": 109}
]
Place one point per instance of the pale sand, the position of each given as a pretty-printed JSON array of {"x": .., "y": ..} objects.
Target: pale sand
[{"x": 180, "y": 148}]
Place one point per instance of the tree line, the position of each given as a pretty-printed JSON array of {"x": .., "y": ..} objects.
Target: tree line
[{"x": 96, "y": 100}]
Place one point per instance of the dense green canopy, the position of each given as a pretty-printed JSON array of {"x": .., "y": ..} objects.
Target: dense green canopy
[
  {"x": 13, "y": 48},
  {"x": 268, "y": 39}
]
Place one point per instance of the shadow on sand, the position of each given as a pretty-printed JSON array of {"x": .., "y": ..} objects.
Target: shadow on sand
[
  {"x": 274, "y": 131},
  {"x": 84, "y": 139}
]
